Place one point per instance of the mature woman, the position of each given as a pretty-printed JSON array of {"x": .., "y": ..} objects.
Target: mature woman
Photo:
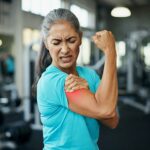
[{"x": 72, "y": 99}]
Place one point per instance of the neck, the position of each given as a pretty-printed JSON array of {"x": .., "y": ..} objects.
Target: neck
[{"x": 71, "y": 70}]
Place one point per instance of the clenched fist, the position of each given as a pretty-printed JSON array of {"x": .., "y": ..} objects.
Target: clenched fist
[{"x": 105, "y": 41}]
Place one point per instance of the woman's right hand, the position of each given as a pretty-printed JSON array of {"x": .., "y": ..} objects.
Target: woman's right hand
[{"x": 74, "y": 82}]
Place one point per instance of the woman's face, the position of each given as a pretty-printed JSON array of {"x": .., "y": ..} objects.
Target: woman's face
[{"x": 63, "y": 44}]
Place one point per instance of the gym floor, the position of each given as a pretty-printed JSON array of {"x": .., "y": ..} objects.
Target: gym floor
[{"x": 132, "y": 132}]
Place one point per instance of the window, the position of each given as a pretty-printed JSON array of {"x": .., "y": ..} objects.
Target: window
[
  {"x": 40, "y": 7},
  {"x": 82, "y": 15},
  {"x": 121, "y": 51},
  {"x": 146, "y": 53},
  {"x": 31, "y": 37},
  {"x": 85, "y": 52}
]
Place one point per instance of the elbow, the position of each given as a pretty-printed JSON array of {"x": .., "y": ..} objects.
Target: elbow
[
  {"x": 115, "y": 123},
  {"x": 112, "y": 122},
  {"x": 107, "y": 113}
]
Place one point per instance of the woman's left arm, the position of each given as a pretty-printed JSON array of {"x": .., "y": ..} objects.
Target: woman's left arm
[
  {"x": 76, "y": 83},
  {"x": 113, "y": 122}
]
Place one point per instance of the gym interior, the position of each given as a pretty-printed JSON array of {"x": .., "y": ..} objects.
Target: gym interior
[{"x": 20, "y": 23}]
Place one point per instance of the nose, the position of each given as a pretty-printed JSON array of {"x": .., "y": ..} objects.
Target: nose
[{"x": 64, "y": 49}]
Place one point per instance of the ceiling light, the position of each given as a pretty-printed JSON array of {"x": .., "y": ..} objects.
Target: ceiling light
[{"x": 121, "y": 12}]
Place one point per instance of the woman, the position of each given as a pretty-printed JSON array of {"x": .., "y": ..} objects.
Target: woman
[{"x": 72, "y": 99}]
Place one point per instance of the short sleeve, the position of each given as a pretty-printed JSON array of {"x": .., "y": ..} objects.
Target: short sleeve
[
  {"x": 51, "y": 92},
  {"x": 90, "y": 76}
]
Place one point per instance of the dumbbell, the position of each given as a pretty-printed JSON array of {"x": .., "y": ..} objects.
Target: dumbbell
[{"x": 18, "y": 132}]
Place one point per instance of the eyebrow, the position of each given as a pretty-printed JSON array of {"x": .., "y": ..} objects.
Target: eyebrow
[
  {"x": 72, "y": 37},
  {"x": 56, "y": 39},
  {"x": 59, "y": 39}
]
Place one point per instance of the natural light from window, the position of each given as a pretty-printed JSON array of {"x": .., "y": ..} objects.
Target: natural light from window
[
  {"x": 121, "y": 51},
  {"x": 146, "y": 52},
  {"x": 85, "y": 52},
  {"x": 40, "y": 7},
  {"x": 82, "y": 15}
]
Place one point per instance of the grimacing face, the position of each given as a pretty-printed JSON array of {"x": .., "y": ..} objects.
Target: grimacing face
[{"x": 63, "y": 43}]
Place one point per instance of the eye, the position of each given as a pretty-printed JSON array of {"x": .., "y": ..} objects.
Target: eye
[
  {"x": 56, "y": 42},
  {"x": 71, "y": 40}
]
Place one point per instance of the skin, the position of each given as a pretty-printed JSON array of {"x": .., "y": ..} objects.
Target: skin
[
  {"x": 63, "y": 44},
  {"x": 74, "y": 83}
]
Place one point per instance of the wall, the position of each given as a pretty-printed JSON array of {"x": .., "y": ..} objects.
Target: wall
[
  {"x": 6, "y": 18},
  {"x": 12, "y": 22},
  {"x": 121, "y": 27}
]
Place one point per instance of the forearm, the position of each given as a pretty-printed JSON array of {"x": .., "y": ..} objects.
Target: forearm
[{"x": 107, "y": 92}]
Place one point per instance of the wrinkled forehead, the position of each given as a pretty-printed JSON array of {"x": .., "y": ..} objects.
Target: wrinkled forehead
[{"x": 62, "y": 29}]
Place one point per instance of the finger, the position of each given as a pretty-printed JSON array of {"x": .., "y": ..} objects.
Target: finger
[
  {"x": 69, "y": 76},
  {"x": 95, "y": 39},
  {"x": 77, "y": 87},
  {"x": 82, "y": 82},
  {"x": 69, "y": 81},
  {"x": 73, "y": 84},
  {"x": 98, "y": 33},
  {"x": 101, "y": 32}
]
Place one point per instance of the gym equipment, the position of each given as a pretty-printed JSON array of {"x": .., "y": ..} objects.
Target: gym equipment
[
  {"x": 137, "y": 92},
  {"x": 14, "y": 134},
  {"x": 7, "y": 102},
  {"x": 28, "y": 102},
  {"x": 1, "y": 118},
  {"x": 18, "y": 132},
  {"x": 9, "y": 96}
]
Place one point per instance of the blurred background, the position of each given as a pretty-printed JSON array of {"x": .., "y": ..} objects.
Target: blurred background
[{"x": 20, "y": 22}]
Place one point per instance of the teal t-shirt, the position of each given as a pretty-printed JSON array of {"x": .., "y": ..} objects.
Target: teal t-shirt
[{"x": 62, "y": 128}]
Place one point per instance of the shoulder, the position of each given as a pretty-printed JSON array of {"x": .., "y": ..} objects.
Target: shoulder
[
  {"x": 51, "y": 77},
  {"x": 50, "y": 87},
  {"x": 86, "y": 70}
]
